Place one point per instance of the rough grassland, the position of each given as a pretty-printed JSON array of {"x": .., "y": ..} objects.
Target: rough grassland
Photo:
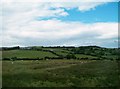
[{"x": 60, "y": 73}]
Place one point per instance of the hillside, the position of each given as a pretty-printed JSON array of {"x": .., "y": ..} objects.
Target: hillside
[
  {"x": 86, "y": 66},
  {"x": 41, "y": 53}
]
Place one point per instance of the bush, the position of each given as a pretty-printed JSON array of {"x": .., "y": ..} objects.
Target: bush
[
  {"x": 13, "y": 58},
  {"x": 70, "y": 56},
  {"x": 6, "y": 58}
]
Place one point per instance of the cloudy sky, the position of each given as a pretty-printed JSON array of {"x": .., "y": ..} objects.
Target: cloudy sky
[{"x": 46, "y": 23}]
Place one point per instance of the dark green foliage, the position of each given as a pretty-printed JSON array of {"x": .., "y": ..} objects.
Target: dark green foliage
[
  {"x": 70, "y": 56},
  {"x": 10, "y": 48}
]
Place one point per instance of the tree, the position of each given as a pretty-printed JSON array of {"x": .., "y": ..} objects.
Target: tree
[{"x": 70, "y": 56}]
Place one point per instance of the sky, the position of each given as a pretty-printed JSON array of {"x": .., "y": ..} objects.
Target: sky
[{"x": 59, "y": 23}]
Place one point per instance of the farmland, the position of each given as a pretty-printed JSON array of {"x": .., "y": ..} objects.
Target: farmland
[
  {"x": 60, "y": 73},
  {"x": 60, "y": 67},
  {"x": 26, "y": 54},
  {"x": 87, "y": 52}
]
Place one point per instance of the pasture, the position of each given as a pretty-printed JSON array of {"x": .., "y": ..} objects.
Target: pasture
[
  {"x": 26, "y": 54},
  {"x": 60, "y": 73}
]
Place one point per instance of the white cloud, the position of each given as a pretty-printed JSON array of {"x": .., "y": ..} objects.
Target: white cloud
[
  {"x": 84, "y": 5},
  {"x": 58, "y": 1},
  {"x": 20, "y": 23},
  {"x": 53, "y": 30},
  {"x": 107, "y": 30},
  {"x": 90, "y": 5}
]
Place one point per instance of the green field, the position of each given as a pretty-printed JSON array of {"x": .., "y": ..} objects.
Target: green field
[
  {"x": 84, "y": 56},
  {"x": 26, "y": 54},
  {"x": 89, "y": 66},
  {"x": 39, "y": 54},
  {"x": 60, "y": 73},
  {"x": 87, "y": 52}
]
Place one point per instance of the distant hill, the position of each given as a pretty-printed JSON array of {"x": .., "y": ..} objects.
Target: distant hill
[{"x": 58, "y": 52}]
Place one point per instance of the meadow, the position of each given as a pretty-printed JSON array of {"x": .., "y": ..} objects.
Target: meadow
[
  {"x": 60, "y": 73},
  {"x": 60, "y": 67},
  {"x": 26, "y": 54}
]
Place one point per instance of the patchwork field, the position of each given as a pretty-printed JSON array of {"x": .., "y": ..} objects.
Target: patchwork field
[
  {"x": 88, "y": 52},
  {"x": 60, "y": 73}
]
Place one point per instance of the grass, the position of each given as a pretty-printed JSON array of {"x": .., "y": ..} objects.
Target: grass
[
  {"x": 39, "y": 54},
  {"x": 61, "y": 53},
  {"x": 60, "y": 73},
  {"x": 84, "y": 56},
  {"x": 26, "y": 54}
]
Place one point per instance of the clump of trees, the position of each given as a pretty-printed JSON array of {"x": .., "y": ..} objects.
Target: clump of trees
[
  {"x": 70, "y": 56},
  {"x": 10, "y": 48}
]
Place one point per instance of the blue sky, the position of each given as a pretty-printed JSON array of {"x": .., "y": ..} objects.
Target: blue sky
[
  {"x": 104, "y": 13},
  {"x": 60, "y": 23}
]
